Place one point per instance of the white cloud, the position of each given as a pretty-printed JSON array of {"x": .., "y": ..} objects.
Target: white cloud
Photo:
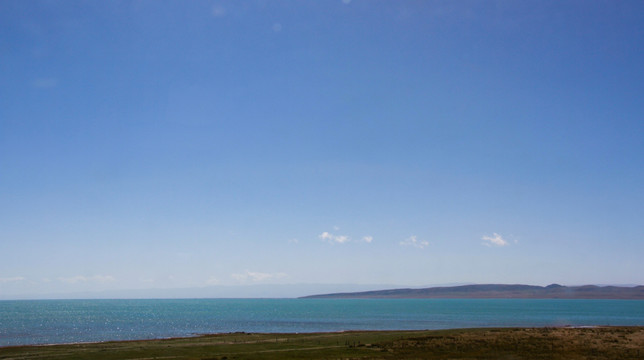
[
  {"x": 294, "y": 241},
  {"x": 495, "y": 239},
  {"x": 340, "y": 239},
  {"x": 11, "y": 279},
  {"x": 413, "y": 241},
  {"x": 256, "y": 276},
  {"x": 367, "y": 239},
  {"x": 81, "y": 279}
]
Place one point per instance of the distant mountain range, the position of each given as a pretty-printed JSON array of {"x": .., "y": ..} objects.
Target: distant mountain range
[{"x": 497, "y": 291}]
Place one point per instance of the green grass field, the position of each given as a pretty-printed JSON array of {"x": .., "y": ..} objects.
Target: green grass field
[{"x": 503, "y": 343}]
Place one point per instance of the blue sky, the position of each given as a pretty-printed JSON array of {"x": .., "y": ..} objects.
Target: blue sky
[{"x": 171, "y": 144}]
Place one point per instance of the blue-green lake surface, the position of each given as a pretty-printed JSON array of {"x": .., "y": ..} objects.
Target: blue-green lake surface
[{"x": 69, "y": 321}]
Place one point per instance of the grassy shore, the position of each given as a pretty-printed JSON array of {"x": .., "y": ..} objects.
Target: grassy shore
[{"x": 501, "y": 343}]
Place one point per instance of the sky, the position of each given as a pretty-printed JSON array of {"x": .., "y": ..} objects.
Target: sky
[{"x": 171, "y": 144}]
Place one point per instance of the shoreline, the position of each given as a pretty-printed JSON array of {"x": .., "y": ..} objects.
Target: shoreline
[
  {"x": 563, "y": 342},
  {"x": 240, "y": 333}
]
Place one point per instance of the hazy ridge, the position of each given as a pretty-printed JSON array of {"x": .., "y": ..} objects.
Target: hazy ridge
[{"x": 498, "y": 291}]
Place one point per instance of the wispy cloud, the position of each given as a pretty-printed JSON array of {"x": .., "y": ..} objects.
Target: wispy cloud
[
  {"x": 81, "y": 279},
  {"x": 73, "y": 279},
  {"x": 340, "y": 239},
  {"x": 44, "y": 83},
  {"x": 212, "y": 281},
  {"x": 494, "y": 240},
  {"x": 367, "y": 239},
  {"x": 256, "y": 276},
  {"x": 218, "y": 11},
  {"x": 413, "y": 241},
  {"x": 11, "y": 279}
]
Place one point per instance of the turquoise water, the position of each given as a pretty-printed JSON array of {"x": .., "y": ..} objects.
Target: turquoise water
[{"x": 68, "y": 321}]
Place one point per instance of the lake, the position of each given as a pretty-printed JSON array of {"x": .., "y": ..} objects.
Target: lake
[{"x": 69, "y": 321}]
